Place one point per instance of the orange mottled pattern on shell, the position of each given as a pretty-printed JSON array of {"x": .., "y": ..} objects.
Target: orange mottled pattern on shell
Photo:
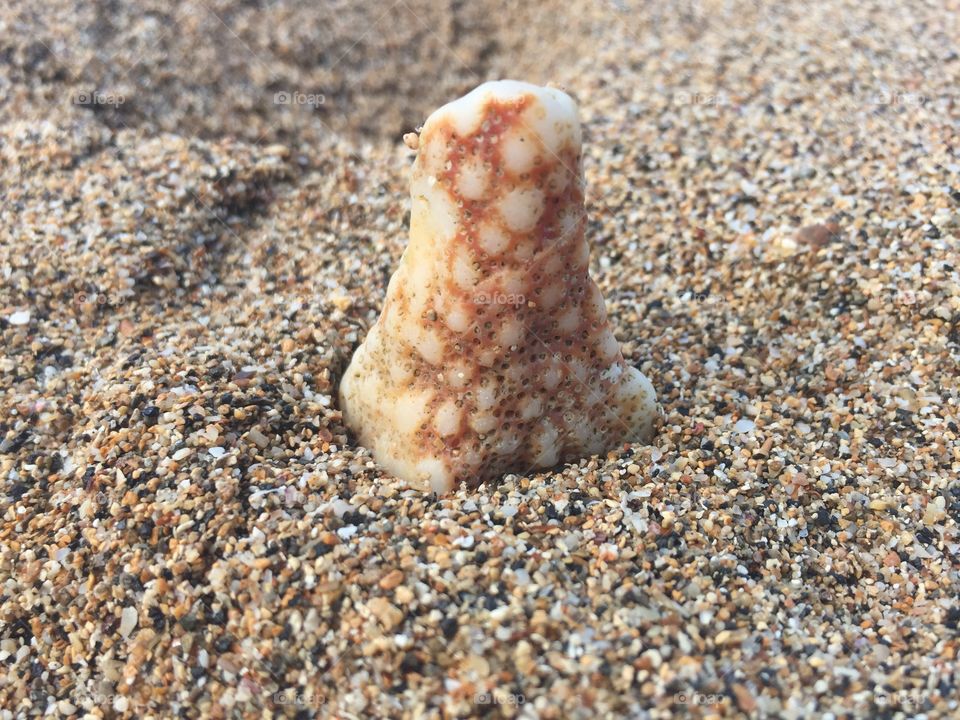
[{"x": 493, "y": 352}]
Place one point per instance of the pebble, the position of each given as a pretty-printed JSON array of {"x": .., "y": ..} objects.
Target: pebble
[
  {"x": 182, "y": 454},
  {"x": 744, "y": 426},
  {"x": 391, "y": 580},
  {"x": 21, "y": 317},
  {"x": 388, "y": 614},
  {"x": 66, "y": 707},
  {"x": 258, "y": 438},
  {"x": 128, "y": 621},
  {"x": 745, "y": 700}
]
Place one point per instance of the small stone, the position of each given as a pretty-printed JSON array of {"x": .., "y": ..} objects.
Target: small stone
[
  {"x": 818, "y": 235},
  {"x": 341, "y": 302},
  {"x": 524, "y": 659},
  {"x": 391, "y": 580},
  {"x": 347, "y": 532},
  {"x": 258, "y": 438},
  {"x": 724, "y": 637},
  {"x": 653, "y": 657},
  {"x": 449, "y": 626},
  {"x": 744, "y": 425},
  {"x": 388, "y": 614},
  {"x": 128, "y": 620},
  {"x": 151, "y": 415},
  {"x": 935, "y": 511},
  {"x": 745, "y": 700},
  {"x": 217, "y": 576},
  {"x": 466, "y": 541},
  {"x": 608, "y": 552},
  {"x": 477, "y": 666},
  {"x": 21, "y": 317}
]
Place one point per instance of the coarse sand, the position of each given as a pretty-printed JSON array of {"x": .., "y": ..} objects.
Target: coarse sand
[{"x": 200, "y": 206}]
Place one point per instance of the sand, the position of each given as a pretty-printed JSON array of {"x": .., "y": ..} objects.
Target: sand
[{"x": 200, "y": 207}]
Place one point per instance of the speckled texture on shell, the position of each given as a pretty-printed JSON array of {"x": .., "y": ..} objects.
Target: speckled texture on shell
[{"x": 493, "y": 352}]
